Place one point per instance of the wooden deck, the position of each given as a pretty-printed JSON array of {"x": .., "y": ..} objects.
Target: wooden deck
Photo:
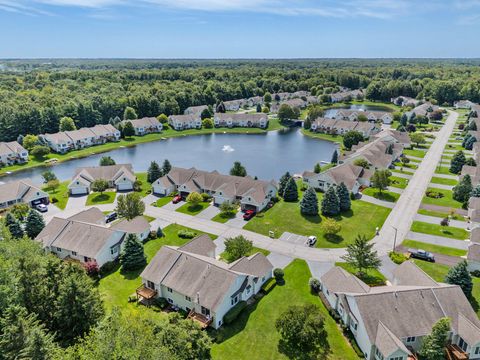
[
  {"x": 145, "y": 294},
  {"x": 455, "y": 353},
  {"x": 200, "y": 319}
]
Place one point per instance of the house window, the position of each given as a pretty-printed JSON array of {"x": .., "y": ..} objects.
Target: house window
[
  {"x": 353, "y": 325},
  {"x": 74, "y": 253},
  {"x": 170, "y": 300},
  {"x": 462, "y": 344},
  {"x": 477, "y": 350},
  {"x": 150, "y": 285},
  {"x": 410, "y": 339},
  {"x": 169, "y": 289},
  {"x": 234, "y": 300},
  {"x": 188, "y": 298},
  {"x": 328, "y": 292},
  {"x": 397, "y": 358},
  {"x": 378, "y": 354},
  {"x": 205, "y": 311},
  {"x": 59, "y": 249}
]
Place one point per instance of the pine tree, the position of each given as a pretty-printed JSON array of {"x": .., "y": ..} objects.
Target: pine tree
[
  {"x": 463, "y": 190},
  {"x": 291, "y": 191},
  {"x": 330, "y": 203},
  {"x": 166, "y": 167},
  {"x": 309, "y": 202},
  {"x": 238, "y": 169},
  {"x": 459, "y": 275},
  {"x": 469, "y": 143},
  {"x": 10, "y": 219},
  {"x": 283, "y": 183},
  {"x": 361, "y": 255},
  {"x": 317, "y": 168},
  {"x": 457, "y": 162},
  {"x": 476, "y": 191},
  {"x": 471, "y": 162},
  {"x": 334, "y": 157},
  {"x": 154, "y": 172},
  {"x": 16, "y": 229},
  {"x": 472, "y": 125},
  {"x": 433, "y": 345},
  {"x": 133, "y": 255},
  {"x": 34, "y": 224},
  {"x": 128, "y": 129},
  {"x": 344, "y": 197},
  {"x": 465, "y": 139}
]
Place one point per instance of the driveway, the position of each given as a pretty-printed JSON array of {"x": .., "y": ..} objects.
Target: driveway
[
  {"x": 439, "y": 258},
  {"x": 279, "y": 260},
  {"x": 76, "y": 202},
  {"x": 237, "y": 222},
  {"x": 171, "y": 206},
  {"x": 440, "y": 186},
  {"x": 209, "y": 212},
  {"x": 376, "y": 201},
  {"x": 318, "y": 268},
  {"x": 437, "y": 220}
]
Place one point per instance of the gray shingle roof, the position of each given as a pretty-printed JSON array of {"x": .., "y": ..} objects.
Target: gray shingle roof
[
  {"x": 93, "y": 216},
  {"x": 409, "y": 274},
  {"x": 135, "y": 226},
  {"x": 339, "y": 280},
  {"x": 23, "y": 190},
  {"x": 87, "y": 175},
  {"x": 387, "y": 342},
  {"x": 201, "y": 245}
]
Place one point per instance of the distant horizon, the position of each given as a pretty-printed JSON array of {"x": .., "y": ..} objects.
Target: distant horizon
[{"x": 239, "y": 58}]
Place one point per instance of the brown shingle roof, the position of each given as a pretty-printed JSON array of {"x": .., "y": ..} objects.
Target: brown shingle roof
[
  {"x": 135, "y": 226},
  {"x": 409, "y": 274},
  {"x": 340, "y": 280},
  {"x": 201, "y": 245},
  {"x": 93, "y": 216}
]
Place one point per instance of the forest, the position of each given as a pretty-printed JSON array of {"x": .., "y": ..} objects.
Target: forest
[{"x": 35, "y": 94}]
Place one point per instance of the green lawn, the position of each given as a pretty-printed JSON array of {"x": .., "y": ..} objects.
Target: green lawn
[
  {"x": 410, "y": 165},
  {"x": 415, "y": 152},
  {"x": 398, "y": 182},
  {"x": 334, "y": 138},
  {"x": 443, "y": 170},
  {"x": 447, "y": 199},
  {"x": 61, "y": 194},
  {"x": 193, "y": 209},
  {"x": 373, "y": 277},
  {"x": 439, "y": 230},
  {"x": 440, "y": 214},
  {"x": 401, "y": 171},
  {"x": 224, "y": 217},
  {"x": 438, "y": 273},
  {"x": 253, "y": 334},
  {"x": 107, "y": 197},
  {"x": 146, "y": 186},
  {"x": 225, "y": 256},
  {"x": 149, "y": 218},
  {"x": 363, "y": 218},
  {"x": 384, "y": 195},
  {"x": 439, "y": 180},
  {"x": 445, "y": 250},
  {"x": 164, "y": 200},
  {"x": 454, "y": 147}
]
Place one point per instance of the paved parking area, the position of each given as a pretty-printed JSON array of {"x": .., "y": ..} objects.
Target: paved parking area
[
  {"x": 279, "y": 260},
  {"x": 293, "y": 238},
  {"x": 209, "y": 212},
  {"x": 220, "y": 243}
]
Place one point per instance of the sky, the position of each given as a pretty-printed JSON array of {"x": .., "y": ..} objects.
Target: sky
[{"x": 239, "y": 28}]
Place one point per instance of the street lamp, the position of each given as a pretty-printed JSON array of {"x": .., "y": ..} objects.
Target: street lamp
[{"x": 395, "y": 238}]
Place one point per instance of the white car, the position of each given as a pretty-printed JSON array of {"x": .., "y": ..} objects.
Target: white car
[
  {"x": 41, "y": 207},
  {"x": 311, "y": 240}
]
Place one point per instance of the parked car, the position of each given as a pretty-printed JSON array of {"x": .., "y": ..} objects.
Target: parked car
[
  {"x": 111, "y": 217},
  {"x": 422, "y": 255},
  {"x": 41, "y": 207},
  {"x": 249, "y": 214},
  {"x": 311, "y": 240},
  {"x": 176, "y": 199}
]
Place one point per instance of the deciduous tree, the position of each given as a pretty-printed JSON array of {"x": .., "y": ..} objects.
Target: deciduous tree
[
  {"x": 433, "y": 345},
  {"x": 67, "y": 124},
  {"x": 106, "y": 161},
  {"x": 129, "y": 113},
  {"x": 381, "y": 179},
  {"x": 99, "y": 185},
  {"x": 130, "y": 205},
  {"x": 238, "y": 169},
  {"x": 237, "y": 247}
]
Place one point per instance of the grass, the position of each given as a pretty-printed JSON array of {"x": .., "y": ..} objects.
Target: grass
[
  {"x": 401, "y": 171},
  {"x": 454, "y": 147},
  {"x": 410, "y": 165},
  {"x": 363, "y": 218},
  {"x": 447, "y": 199},
  {"x": 445, "y": 250},
  {"x": 107, "y": 197},
  {"x": 228, "y": 259},
  {"x": 117, "y": 286},
  {"x": 439, "y": 230},
  {"x": 164, "y": 200},
  {"x": 372, "y": 277},
  {"x": 441, "y": 214},
  {"x": 443, "y": 181},
  {"x": 146, "y": 186},
  {"x": 438, "y": 273},
  {"x": 253, "y": 334},
  {"x": 398, "y": 182},
  {"x": 443, "y": 170},
  {"x": 193, "y": 209},
  {"x": 334, "y": 138},
  {"x": 384, "y": 195},
  {"x": 149, "y": 218},
  {"x": 415, "y": 152},
  {"x": 132, "y": 141},
  {"x": 60, "y": 193},
  {"x": 224, "y": 217}
]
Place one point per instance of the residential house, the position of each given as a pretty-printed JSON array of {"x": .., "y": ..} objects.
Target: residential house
[
  {"x": 120, "y": 177},
  {"x": 12, "y": 153},
  {"x": 474, "y": 209},
  {"x": 340, "y": 127},
  {"x": 91, "y": 215},
  {"x": 254, "y": 101},
  {"x": 390, "y": 322},
  {"x": 190, "y": 278},
  {"x": 294, "y": 103},
  {"x": 374, "y": 116},
  {"x": 463, "y": 104},
  {"x": 423, "y": 110},
  {"x": 146, "y": 125},
  {"x": 183, "y": 122},
  {"x": 234, "y": 105},
  {"x": 138, "y": 226},
  {"x": 394, "y": 136},
  {"x": 250, "y": 193},
  {"x": 405, "y": 101},
  {"x": 473, "y": 255},
  {"x": 21, "y": 191},
  {"x": 353, "y": 176},
  {"x": 347, "y": 95},
  {"x": 474, "y": 173},
  {"x": 195, "y": 110},
  {"x": 259, "y": 120}
]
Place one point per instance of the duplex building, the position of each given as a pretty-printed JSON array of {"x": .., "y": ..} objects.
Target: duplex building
[
  {"x": 463, "y": 104},
  {"x": 340, "y": 127},
  {"x": 138, "y": 226},
  {"x": 346, "y": 95},
  {"x": 21, "y": 191},
  {"x": 259, "y": 120},
  {"x": 146, "y": 125},
  {"x": 195, "y": 110},
  {"x": 12, "y": 153},
  {"x": 423, "y": 110},
  {"x": 65, "y": 141},
  {"x": 374, "y": 116},
  {"x": 120, "y": 177},
  {"x": 294, "y": 103},
  {"x": 405, "y": 101},
  {"x": 473, "y": 171},
  {"x": 473, "y": 255},
  {"x": 474, "y": 209},
  {"x": 390, "y": 322},
  {"x": 183, "y": 122},
  {"x": 250, "y": 193},
  {"x": 190, "y": 278}
]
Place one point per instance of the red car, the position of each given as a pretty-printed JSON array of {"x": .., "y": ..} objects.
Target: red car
[
  {"x": 249, "y": 214},
  {"x": 176, "y": 199}
]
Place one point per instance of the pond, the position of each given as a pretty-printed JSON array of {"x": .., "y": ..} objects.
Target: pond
[
  {"x": 266, "y": 155},
  {"x": 330, "y": 113}
]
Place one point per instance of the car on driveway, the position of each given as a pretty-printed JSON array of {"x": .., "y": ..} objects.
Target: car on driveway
[
  {"x": 311, "y": 240},
  {"x": 111, "y": 217},
  {"x": 176, "y": 199},
  {"x": 41, "y": 207},
  {"x": 249, "y": 214},
  {"x": 421, "y": 254}
]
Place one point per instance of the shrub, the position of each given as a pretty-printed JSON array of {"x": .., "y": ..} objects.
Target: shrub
[
  {"x": 444, "y": 222},
  {"x": 279, "y": 274},
  {"x": 396, "y": 257},
  {"x": 269, "y": 285},
  {"x": 153, "y": 234},
  {"x": 108, "y": 267},
  {"x": 53, "y": 200},
  {"x": 233, "y": 313},
  {"x": 161, "y": 302},
  {"x": 206, "y": 197},
  {"x": 314, "y": 284},
  {"x": 91, "y": 268},
  {"x": 186, "y": 234},
  {"x": 475, "y": 273},
  {"x": 434, "y": 194}
]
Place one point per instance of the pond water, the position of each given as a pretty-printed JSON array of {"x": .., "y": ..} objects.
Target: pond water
[
  {"x": 330, "y": 113},
  {"x": 266, "y": 155}
]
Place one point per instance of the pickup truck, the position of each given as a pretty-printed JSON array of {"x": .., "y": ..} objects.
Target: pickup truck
[{"x": 421, "y": 254}]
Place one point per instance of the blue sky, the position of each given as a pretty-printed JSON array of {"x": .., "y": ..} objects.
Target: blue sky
[{"x": 239, "y": 28}]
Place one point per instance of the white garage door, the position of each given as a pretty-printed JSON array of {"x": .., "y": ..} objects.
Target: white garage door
[
  {"x": 79, "y": 191},
  {"x": 125, "y": 186}
]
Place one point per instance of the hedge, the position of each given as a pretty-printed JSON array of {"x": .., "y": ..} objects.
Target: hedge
[
  {"x": 269, "y": 285},
  {"x": 233, "y": 313}
]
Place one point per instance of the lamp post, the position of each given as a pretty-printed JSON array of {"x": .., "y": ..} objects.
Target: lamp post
[{"x": 395, "y": 238}]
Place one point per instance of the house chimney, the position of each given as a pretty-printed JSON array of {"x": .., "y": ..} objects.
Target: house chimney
[{"x": 198, "y": 297}]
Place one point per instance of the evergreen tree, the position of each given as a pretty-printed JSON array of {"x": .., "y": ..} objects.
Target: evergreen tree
[
  {"x": 291, "y": 191},
  {"x": 330, "y": 203},
  {"x": 34, "y": 224},
  {"x": 309, "y": 202},
  {"x": 404, "y": 120},
  {"x": 469, "y": 143},
  {"x": 344, "y": 197},
  {"x": 457, "y": 162},
  {"x": 283, "y": 183},
  {"x": 16, "y": 229},
  {"x": 133, "y": 255},
  {"x": 463, "y": 190},
  {"x": 334, "y": 157},
  {"x": 361, "y": 255},
  {"x": 107, "y": 161},
  {"x": 259, "y": 108},
  {"x": 317, "y": 168},
  {"x": 10, "y": 219},
  {"x": 459, "y": 275},
  {"x": 433, "y": 345},
  {"x": 471, "y": 162},
  {"x": 307, "y": 124},
  {"x": 476, "y": 191},
  {"x": 166, "y": 167},
  {"x": 465, "y": 139},
  {"x": 154, "y": 172},
  {"x": 128, "y": 129},
  {"x": 238, "y": 169},
  {"x": 472, "y": 126},
  {"x": 221, "y": 107}
]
